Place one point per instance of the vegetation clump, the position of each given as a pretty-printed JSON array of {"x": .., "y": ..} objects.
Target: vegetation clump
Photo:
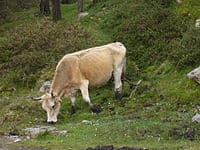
[
  {"x": 9, "y": 7},
  {"x": 162, "y": 47},
  {"x": 153, "y": 32},
  {"x": 33, "y": 47}
]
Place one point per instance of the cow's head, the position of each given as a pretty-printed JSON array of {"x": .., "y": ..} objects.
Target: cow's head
[{"x": 51, "y": 104}]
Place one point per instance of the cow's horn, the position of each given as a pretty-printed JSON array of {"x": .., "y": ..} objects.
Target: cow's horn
[{"x": 36, "y": 98}]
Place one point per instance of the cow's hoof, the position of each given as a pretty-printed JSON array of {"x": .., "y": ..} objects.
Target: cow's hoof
[
  {"x": 96, "y": 109},
  {"x": 51, "y": 122},
  {"x": 73, "y": 110},
  {"x": 118, "y": 95}
]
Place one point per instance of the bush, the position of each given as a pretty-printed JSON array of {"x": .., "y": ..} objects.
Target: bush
[
  {"x": 153, "y": 32},
  {"x": 8, "y": 7},
  {"x": 4, "y": 12},
  {"x": 33, "y": 47}
]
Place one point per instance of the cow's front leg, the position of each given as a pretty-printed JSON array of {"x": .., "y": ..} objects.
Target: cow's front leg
[{"x": 86, "y": 98}]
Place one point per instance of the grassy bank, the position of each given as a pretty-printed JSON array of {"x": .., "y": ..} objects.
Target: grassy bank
[{"x": 162, "y": 47}]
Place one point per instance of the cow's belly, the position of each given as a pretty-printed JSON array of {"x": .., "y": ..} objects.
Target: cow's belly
[{"x": 96, "y": 68}]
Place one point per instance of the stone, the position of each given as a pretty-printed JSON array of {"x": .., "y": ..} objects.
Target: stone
[
  {"x": 14, "y": 138},
  {"x": 195, "y": 74},
  {"x": 34, "y": 131},
  {"x": 197, "y": 24},
  {"x": 87, "y": 122},
  {"x": 196, "y": 118},
  {"x": 82, "y": 15},
  {"x": 179, "y": 1}
]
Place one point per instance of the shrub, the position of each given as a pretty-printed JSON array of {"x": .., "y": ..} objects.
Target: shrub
[
  {"x": 33, "y": 47},
  {"x": 8, "y": 7},
  {"x": 153, "y": 32}
]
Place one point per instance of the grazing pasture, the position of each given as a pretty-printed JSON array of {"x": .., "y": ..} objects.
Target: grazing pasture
[{"x": 162, "y": 45}]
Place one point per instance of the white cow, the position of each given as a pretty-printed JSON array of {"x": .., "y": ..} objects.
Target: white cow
[{"x": 83, "y": 69}]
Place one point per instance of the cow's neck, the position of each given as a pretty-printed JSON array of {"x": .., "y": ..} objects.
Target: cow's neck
[{"x": 59, "y": 90}]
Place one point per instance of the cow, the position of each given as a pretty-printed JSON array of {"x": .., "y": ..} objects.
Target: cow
[{"x": 80, "y": 70}]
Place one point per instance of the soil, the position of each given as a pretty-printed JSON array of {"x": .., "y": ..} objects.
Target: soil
[{"x": 10, "y": 143}]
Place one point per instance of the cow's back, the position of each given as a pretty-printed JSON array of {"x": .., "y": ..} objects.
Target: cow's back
[
  {"x": 97, "y": 67},
  {"x": 94, "y": 64}
]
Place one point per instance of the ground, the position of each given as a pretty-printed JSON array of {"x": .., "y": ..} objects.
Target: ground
[{"x": 158, "y": 116}]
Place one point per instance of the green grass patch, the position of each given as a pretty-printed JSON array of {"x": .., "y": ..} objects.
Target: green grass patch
[
  {"x": 162, "y": 47},
  {"x": 115, "y": 130},
  {"x": 189, "y": 8}
]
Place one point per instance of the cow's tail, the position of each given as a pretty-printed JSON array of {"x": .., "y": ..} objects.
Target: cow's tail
[{"x": 123, "y": 77}]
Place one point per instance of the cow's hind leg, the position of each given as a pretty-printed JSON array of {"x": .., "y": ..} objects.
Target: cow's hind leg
[
  {"x": 73, "y": 105},
  {"x": 85, "y": 93},
  {"x": 117, "y": 79},
  {"x": 86, "y": 98}
]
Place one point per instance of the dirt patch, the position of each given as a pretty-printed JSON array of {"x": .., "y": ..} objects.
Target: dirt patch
[
  {"x": 10, "y": 143},
  {"x": 111, "y": 147}
]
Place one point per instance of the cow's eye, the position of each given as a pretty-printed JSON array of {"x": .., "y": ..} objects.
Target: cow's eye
[{"x": 53, "y": 106}]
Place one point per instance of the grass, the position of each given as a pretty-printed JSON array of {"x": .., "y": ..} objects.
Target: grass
[
  {"x": 189, "y": 7},
  {"x": 158, "y": 116},
  {"x": 18, "y": 18},
  {"x": 155, "y": 118},
  {"x": 114, "y": 130}
]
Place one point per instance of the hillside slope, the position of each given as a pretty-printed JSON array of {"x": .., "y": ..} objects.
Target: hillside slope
[{"x": 162, "y": 47}]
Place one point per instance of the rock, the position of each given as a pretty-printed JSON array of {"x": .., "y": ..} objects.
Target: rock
[
  {"x": 17, "y": 140},
  {"x": 195, "y": 74},
  {"x": 82, "y": 15},
  {"x": 14, "y": 138},
  {"x": 87, "y": 122},
  {"x": 196, "y": 118},
  {"x": 45, "y": 87},
  {"x": 34, "y": 131},
  {"x": 9, "y": 142},
  {"x": 197, "y": 24},
  {"x": 179, "y": 1}
]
